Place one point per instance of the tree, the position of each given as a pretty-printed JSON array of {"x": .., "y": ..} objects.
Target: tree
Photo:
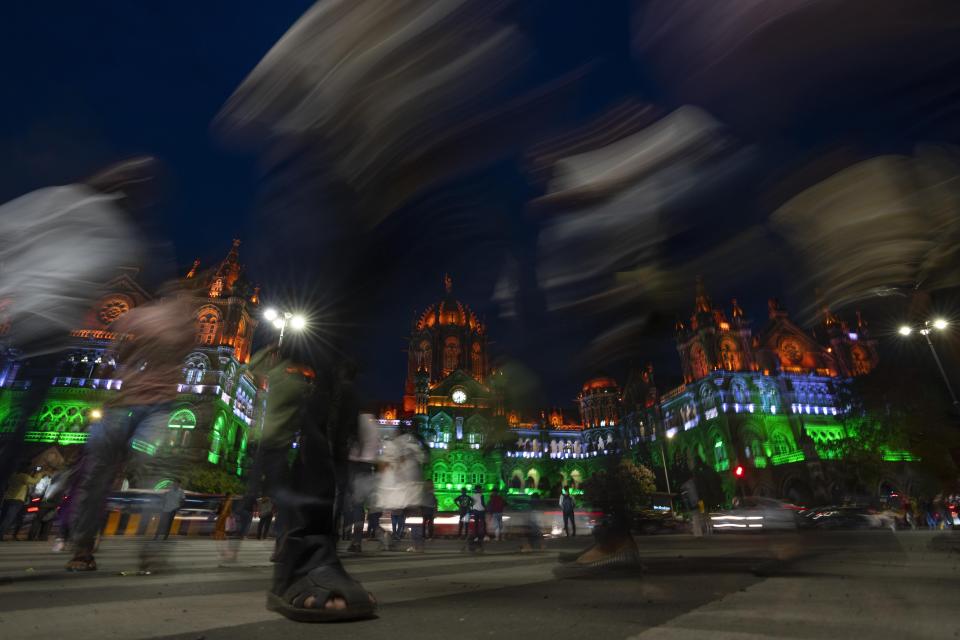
[
  {"x": 209, "y": 479},
  {"x": 899, "y": 408},
  {"x": 624, "y": 485}
]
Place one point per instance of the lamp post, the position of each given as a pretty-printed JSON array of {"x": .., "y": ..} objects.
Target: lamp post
[
  {"x": 282, "y": 319},
  {"x": 929, "y": 325},
  {"x": 663, "y": 457}
]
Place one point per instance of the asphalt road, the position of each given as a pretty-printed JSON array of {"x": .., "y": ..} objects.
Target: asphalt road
[{"x": 876, "y": 584}]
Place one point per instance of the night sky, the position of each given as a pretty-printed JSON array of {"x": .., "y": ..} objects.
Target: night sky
[{"x": 92, "y": 83}]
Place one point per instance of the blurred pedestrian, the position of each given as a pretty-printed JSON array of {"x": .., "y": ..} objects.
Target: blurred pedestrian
[
  {"x": 265, "y": 509},
  {"x": 361, "y": 458},
  {"x": 429, "y": 511},
  {"x": 495, "y": 507},
  {"x": 58, "y": 246},
  {"x": 310, "y": 583},
  {"x": 400, "y": 481},
  {"x": 15, "y": 498},
  {"x": 171, "y": 501},
  {"x": 568, "y": 508},
  {"x": 153, "y": 340},
  {"x": 464, "y": 503}
]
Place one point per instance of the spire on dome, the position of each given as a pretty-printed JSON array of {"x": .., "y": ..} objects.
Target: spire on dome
[
  {"x": 703, "y": 301},
  {"x": 736, "y": 312},
  {"x": 774, "y": 308},
  {"x": 829, "y": 319},
  {"x": 448, "y": 283},
  {"x": 193, "y": 269}
]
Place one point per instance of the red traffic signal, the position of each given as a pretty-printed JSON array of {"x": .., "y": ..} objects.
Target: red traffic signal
[{"x": 738, "y": 471}]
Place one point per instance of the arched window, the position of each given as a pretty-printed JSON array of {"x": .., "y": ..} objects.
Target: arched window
[
  {"x": 707, "y": 398},
  {"x": 476, "y": 361},
  {"x": 194, "y": 372},
  {"x": 208, "y": 323},
  {"x": 451, "y": 355},
  {"x": 719, "y": 452},
  {"x": 729, "y": 355},
  {"x": 698, "y": 361},
  {"x": 740, "y": 393},
  {"x": 425, "y": 356},
  {"x": 182, "y": 419},
  {"x": 861, "y": 363},
  {"x": 780, "y": 444},
  {"x": 216, "y": 440}
]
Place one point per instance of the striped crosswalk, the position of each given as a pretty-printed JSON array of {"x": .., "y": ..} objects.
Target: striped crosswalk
[
  {"x": 198, "y": 592},
  {"x": 874, "y": 585}
]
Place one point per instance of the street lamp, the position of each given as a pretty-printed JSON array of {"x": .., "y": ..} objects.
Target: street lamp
[
  {"x": 929, "y": 325},
  {"x": 663, "y": 456},
  {"x": 282, "y": 319}
]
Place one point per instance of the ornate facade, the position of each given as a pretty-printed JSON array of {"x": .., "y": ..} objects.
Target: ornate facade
[
  {"x": 217, "y": 400},
  {"x": 767, "y": 402}
]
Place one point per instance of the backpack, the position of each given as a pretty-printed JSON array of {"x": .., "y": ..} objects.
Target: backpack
[{"x": 567, "y": 502}]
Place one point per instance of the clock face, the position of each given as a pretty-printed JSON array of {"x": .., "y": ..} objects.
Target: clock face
[{"x": 459, "y": 396}]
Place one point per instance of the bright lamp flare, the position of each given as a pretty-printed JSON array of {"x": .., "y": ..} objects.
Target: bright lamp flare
[
  {"x": 278, "y": 323},
  {"x": 270, "y": 314},
  {"x": 96, "y": 414},
  {"x": 905, "y": 330},
  {"x": 298, "y": 322},
  {"x": 940, "y": 323}
]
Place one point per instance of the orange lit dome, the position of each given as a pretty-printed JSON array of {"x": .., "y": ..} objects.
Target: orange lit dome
[
  {"x": 599, "y": 384},
  {"x": 449, "y": 311}
]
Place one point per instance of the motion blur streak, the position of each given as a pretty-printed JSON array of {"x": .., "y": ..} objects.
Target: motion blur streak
[
  {"x": 616, "y": 206},
  {"x": 57, "y": 246},
  {"x": 379, "y": 85},
  {"x": 882, "y": 226}
]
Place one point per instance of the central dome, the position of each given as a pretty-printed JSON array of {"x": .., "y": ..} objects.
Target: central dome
[{"x": 449, "y": 311}]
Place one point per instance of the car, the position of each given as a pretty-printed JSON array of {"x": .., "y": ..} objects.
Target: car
[{"x": 756, "y": 514}]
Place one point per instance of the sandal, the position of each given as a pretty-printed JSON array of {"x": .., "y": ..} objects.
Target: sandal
[
  {"x": 625, "y": 559},
  {"x": 82, "y": 563},
  {"x": 323, "y": 584}
]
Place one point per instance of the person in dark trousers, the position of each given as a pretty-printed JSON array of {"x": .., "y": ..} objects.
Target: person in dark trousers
[
  {"x": 478, "y": 514},
  {"x": 495, "y": 509},
  {"x": 14, "y": 499},
  {"x": 265, "y": 508},
  {"x": 172, "y": 500},
  {"x": 464, "y": 503},
  {"x": 567, "y": 507},
  {"x": 153, "y": 341},
  {"x": 309, "y": 583},
  {"x": 429, "y": 512}
]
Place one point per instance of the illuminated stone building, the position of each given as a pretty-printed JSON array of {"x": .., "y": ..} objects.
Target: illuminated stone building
[
  {"x": 217, "y": 400},
  {"x": 457, "y": 402},
  {"x": 767, "y": 402}
]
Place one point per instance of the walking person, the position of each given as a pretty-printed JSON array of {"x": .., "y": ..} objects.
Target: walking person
[
  {"x": 464, "y": 503},
  {"x": 568, "y": 509},
  {"x": 171, "y": 501},
  {"x": 310, "y": 583},
  {"x": 429, "y": 511},
  {"x": 478, "y": 515},
  {"x": 58, "y": 245},
  {"x": 495, "y": 508},
  {"x": 400, "y": 481},
  {"x": 14, "y": 499},
  {"x": 154, "y": 340},
  {"x": 265, "y": 509}
]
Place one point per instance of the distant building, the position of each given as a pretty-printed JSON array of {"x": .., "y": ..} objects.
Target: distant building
[
  {"x": 217, "y": 403},
  {"x": 767, "y": 402}
]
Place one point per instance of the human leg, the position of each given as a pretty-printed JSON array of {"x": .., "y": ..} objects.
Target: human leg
[{"x": 309, "y": 580}]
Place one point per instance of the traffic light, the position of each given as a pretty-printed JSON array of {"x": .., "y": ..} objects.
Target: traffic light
[{"x": 738, "y": 471}]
